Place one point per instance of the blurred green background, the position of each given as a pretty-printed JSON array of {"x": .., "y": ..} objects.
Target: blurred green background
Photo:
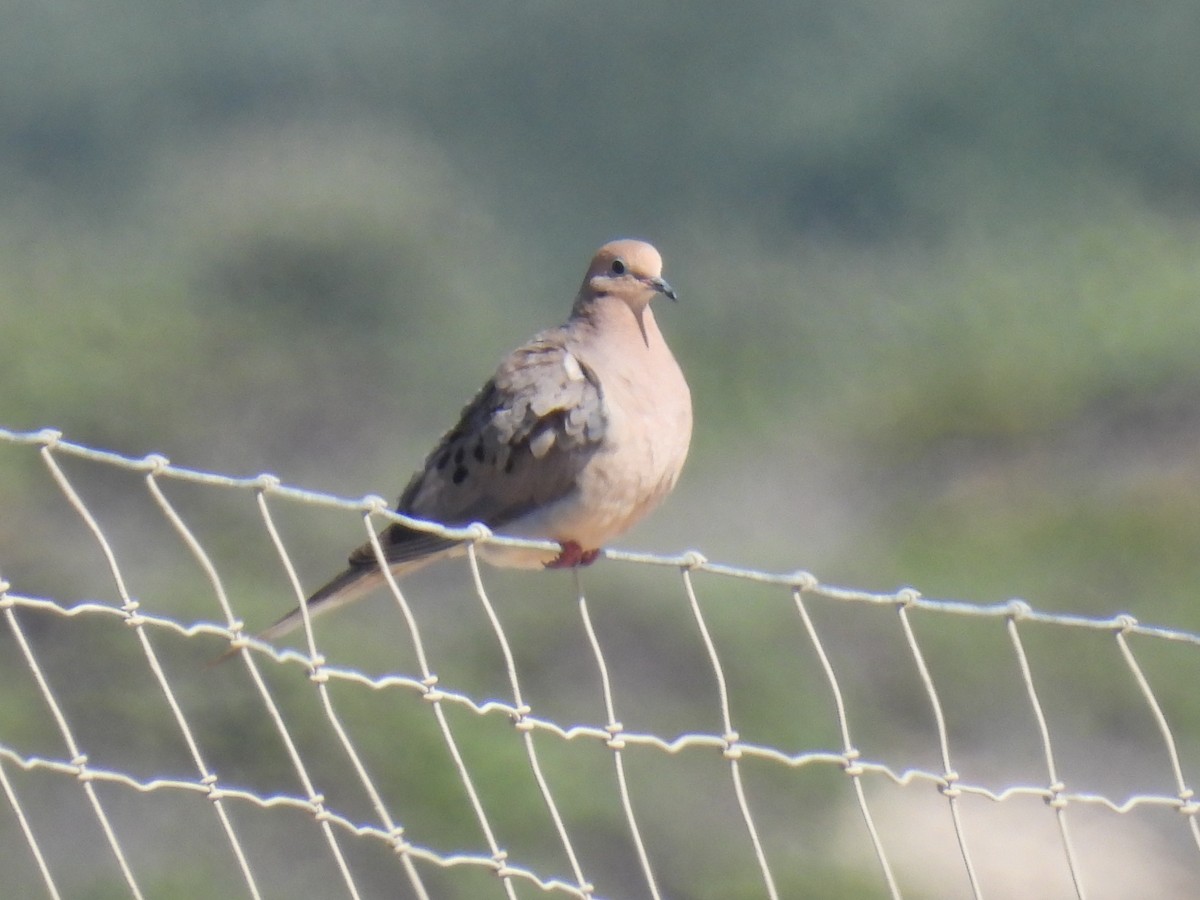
[{"x": 938, "y": 270}]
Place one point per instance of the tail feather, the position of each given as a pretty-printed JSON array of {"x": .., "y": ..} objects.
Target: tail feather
[
  {"x": 355, "y": 582},
  {"x": 400, "y": 544},
  {"x": 350, "y": 585},
  {"x": 347, "y": 587}
]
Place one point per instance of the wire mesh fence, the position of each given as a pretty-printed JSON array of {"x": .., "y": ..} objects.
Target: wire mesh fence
[{"x": 650, "y": 727}]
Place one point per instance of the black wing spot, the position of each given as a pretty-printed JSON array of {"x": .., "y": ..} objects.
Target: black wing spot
[
  {"x": 508, "y": 466},
  {"x": 460, "y": 475},
  {"x": 478, "y": 452},
  {"x": 443, "y": 460},
  {"x": 458, "y": 456}
]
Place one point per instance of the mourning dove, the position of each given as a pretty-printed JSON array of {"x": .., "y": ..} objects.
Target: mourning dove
[{"x": 578, "y": 435}]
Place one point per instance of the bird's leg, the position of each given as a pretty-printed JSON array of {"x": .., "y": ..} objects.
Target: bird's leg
[
  {"x": 573, "y": 555},
  {"x": 569, "y": 558}
]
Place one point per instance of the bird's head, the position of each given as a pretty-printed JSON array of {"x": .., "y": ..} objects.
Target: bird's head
[{"x": 628, "y": 270}]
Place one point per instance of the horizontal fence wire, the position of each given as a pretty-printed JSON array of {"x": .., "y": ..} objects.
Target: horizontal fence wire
[{"x": 567, "y": 857}]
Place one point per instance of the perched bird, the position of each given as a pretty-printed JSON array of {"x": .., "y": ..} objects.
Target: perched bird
[{"x": 578, "y": 435}]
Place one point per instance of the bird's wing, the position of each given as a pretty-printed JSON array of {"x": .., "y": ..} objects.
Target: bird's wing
[{"x": 520, "y": 444}]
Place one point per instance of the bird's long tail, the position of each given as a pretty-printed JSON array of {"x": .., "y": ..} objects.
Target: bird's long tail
[
  {"x": 347, "y": 587},
  {"x": 350, "y": 585}
]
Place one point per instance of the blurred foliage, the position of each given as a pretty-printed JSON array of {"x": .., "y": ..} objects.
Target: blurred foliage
[{"x": 938, "y": 267}]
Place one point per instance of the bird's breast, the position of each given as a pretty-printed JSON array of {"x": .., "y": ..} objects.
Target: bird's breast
[{"x": 648, "y": 430}]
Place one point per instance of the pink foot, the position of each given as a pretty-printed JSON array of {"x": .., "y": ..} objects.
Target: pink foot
[{"x": 573, "y": 555}]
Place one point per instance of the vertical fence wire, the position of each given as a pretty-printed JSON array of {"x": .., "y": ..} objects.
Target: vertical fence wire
[
  {"x": 731, "y": 752},
  {"x": 522, "y": 724},
  {"x": 1187, "y": 805},
  {"x": 1055, "y": 788},
  {"x": 950, "y": 778},
  {"x": 615, "y": 741},
  {"x": 852, "y": 767}
]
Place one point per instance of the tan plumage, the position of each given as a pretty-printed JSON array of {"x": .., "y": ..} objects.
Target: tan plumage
[{"x": 579, "y": 433}]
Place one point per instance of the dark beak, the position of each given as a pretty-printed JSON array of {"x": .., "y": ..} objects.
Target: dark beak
[{"x": 662, "y": 287}]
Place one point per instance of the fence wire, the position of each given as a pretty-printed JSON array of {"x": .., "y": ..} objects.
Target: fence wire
[{"x": 343, "y": 807}]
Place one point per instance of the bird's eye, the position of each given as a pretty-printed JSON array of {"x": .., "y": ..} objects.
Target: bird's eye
[{"x": 618, "y": 267}]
